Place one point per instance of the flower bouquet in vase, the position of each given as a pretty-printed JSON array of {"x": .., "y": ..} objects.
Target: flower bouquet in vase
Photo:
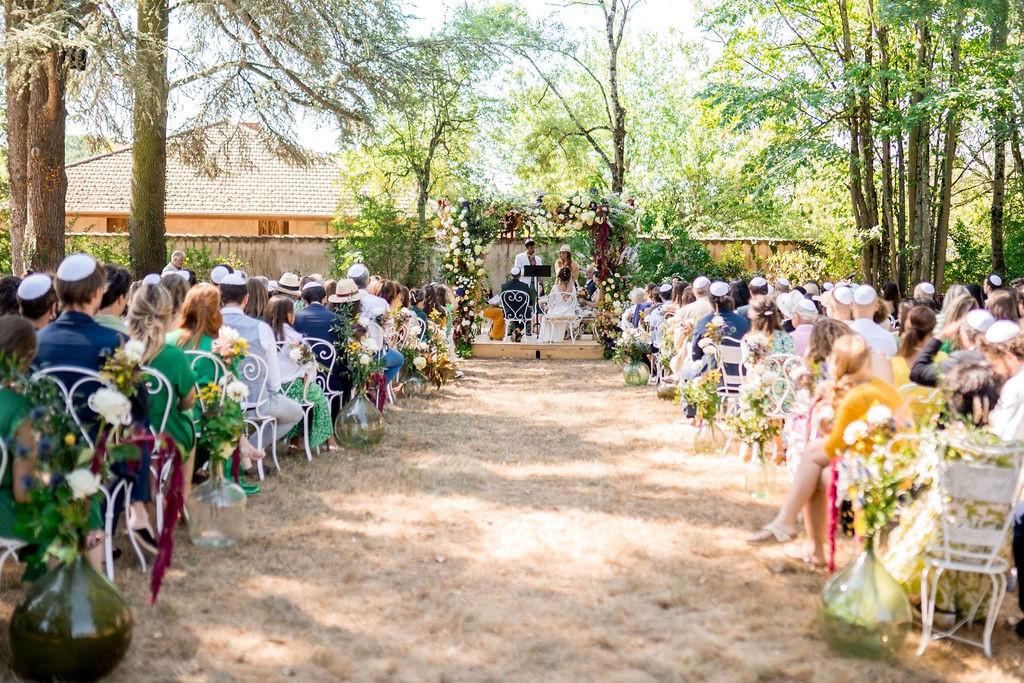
[
  {"x": 864, "y": 612},
  {"x": 631, "y": 351},
  {"x": 360, "y": 424},
  {"x": 701, "y": 394},
  {"x": 756, "y": 428},
  {"x": 216, "y": 508}
]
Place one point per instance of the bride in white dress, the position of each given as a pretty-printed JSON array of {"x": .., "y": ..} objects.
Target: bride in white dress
[{"x": 560, "y": 309}]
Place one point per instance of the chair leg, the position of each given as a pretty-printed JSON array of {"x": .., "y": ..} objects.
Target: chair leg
[
  {"x": 108, "y": 532},
  {"x": 307, "y": 416},
  {"x": 128, "y": 527},
  {"x": 928, "y": 605},
  {"x": 998, "y": 593},
  {"x": 273, "y": 443}
]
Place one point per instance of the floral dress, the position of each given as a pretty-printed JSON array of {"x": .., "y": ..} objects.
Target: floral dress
[{"x": 293, "y": 381}]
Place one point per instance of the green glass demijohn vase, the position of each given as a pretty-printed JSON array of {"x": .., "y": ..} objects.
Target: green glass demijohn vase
[
  {"x": 415, "y": 385},
  {"x": 72, "y": 624},
  {"x": 216, "y": 510},
  {"x": 636, "y": 374},
  {"x": 864, "y": 612},
  {"x": 759, "y": 472},
  {"x": 709, "y": 439},
  {"x": 359, "y": 424}
]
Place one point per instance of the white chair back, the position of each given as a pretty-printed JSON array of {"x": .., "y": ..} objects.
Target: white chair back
[
  {"x": 75, "y": 385},
  {"x": 156, "y": 383},
  {"x": 254, "y": 372},
  {"x": 413, "y": 330},
  {"x": 729, "y": 358},
  {"x": 376, "y": 332},
  {"x": 782, "y": 368},
  {"x": 205, "y": 360},
  {"x": 8, "y": 546}
]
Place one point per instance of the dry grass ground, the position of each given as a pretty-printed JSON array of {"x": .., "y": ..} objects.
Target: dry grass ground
[{"x": 537, "y": 521}]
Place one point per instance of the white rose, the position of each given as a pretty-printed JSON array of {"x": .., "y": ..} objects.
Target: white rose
[
  {"x": 83, "y": 483},
  {"x": 466, "y": 323},
  {"x": 466, "y": 242},
  {"x": 481, "y": 271},
  {"x": 295, "y": 353},
  {"x": 237, "y": 391},
  {"x": 464, "y": 224},
  {"x": 477, "y": 249},
  {"x": 112, "y": 406},
  {"x": 854, "y": 432},
  {"x": 364, "y": 359},
  {"x": 364, "y": 320},
  {"x": 133, "y": 350},
  {"x": 370, "y": 345},
  {"x": 228, "y": 334},
  {"x": 419, "y": 362},
  {"x": 456, "y": 251},
  {"x": 879, "y": 414}
]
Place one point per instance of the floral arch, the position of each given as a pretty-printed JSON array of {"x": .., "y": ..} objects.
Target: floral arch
[{"x": 468, "y": 228}]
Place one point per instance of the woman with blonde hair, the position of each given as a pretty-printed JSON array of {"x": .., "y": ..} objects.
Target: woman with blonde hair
[
  {"x": 854, "y": 391},
  {"x": 148, "y": 320}
]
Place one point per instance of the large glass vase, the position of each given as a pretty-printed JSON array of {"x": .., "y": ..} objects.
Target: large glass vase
[
  {"x": 636, "y": 374},
  {"x": 72, "y": 624},
  {"x": 359, "y": 424},
  {"x": 415, "y": 385},
  {"x": 864, "y": 612},
  {"x": 758, "y": 472},
  {"x": 216, "y": 511},
  {"x": 709, "y": 439}
]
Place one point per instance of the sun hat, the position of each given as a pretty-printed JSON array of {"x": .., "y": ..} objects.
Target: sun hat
[
  {"x": 719, "y": 288},
  {"x": 865, "y": 295},
  {"x": 288, "y": 284},
  {"x": 35, "y": 286},
  {"x": 1002, "y": 331},
  {"x": 787, "y": 303},
  {"x": 347, "y": 291},
  {"x": 843, "y": 295},
  {"x": 234, "y": 279},
  {"x": 76, "y": 267},
  {"x": 701, "y": 283},
  {"x": 980, "y": 320},
  {"x": 565, "y": 247}
]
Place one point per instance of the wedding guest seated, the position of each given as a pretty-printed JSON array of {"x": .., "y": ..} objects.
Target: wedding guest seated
[
  {"x": 561, "y": 304},
  {"x": 722, "y": 305},
  {"x": 1003, "y": 346},
  {"x": 636, "y": 297},
  {"x": 9, "y": 294},
  {"x": 993, "y": 283},
  {"x": 1002, "y": 304},
  {"x": 18, "y": 345},
  {"x": 289, "y": 285},
  {"x": 740, "y": 293},
  {"x": 256, "y": 303},
  {"x": 514, "y": 330},
  {"x": 177, "y": 286},
  {"x": 865, "y": 304},
  {"x": 701, "y": 305},
  {"x": 295, "y": 377},
  {"x": 416, "y": 300},
  {"x": 371, "y": 304},
  {"x": 915, "y": 332},
  {"x": 839, "y": 303},
  {"x": 926, "y": 370},
  {"x": 765, "y": 319},
  {"x": 234, "y": 295},
  {"x": 804, "y": 317},
  {"x": 37, "y": 300},
  {"x": 149, "y": 320},
  {"x": 495, "y": 313},
  {"x": 115, "y": 298},
  {"x": 315, "y": 321},
  {"x": 855, "y": 391},
  {"x": 591, "y": 283}
]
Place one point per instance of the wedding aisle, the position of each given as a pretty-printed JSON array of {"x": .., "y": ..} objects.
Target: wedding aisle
[{"x": 534, "y": 521}]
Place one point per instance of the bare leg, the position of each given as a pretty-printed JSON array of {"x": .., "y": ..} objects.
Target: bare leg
[
  {"x": 187, "y": 469},
  {"x": 805, "y": 483},
  {"x": 816, "y": 519}
]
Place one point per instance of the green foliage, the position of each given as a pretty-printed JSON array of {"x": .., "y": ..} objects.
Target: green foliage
[
  {"x": 107, "y": 249},
  {"x": 5, "y": 251},
  {"x": 1013, "y": 229},
  {"x": 797, "y": 266},
  {"x": 388, "y": 242},
  {"x": 970, "y": 256},
  {"x": 200, "y": 260},
  {"x": 678, "y": 253}
]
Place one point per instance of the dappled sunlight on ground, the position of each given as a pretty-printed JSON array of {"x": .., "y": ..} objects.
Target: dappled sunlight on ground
[{"x": 536, "y": 521}]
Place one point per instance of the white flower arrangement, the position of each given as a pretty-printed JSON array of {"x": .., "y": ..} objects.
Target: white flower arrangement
[
  {"x": 419, "y": 362},
  {"x": 854, "y": 432},
  {"x": 364, "y": 359},
  {"x": 113, "y": 406},
  {"x": 237, "y": 391},
  {"x": 133, "y": 350},
  {"x": 370, "y": 345}
]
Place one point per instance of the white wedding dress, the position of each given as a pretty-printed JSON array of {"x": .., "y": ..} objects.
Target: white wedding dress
[{"x": 560, "y": 310}]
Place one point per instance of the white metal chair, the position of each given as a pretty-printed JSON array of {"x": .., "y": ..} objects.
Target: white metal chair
[
  {"x": 254, "y": 372},
  {"x": 783, "y": 368},
  {"x": 977, "y": 511},
  {"x": 156, "y": 383},
  {"x": 515, "y": 304},
  {"x": 728, "y": 359},
  {"x": 75, "y": 385},
  {"x": 924, "y": 404},
  {"x": 308, "y": 377},
  {"x": 8, "y": 546},
  {"x": 562, "y": 313}
]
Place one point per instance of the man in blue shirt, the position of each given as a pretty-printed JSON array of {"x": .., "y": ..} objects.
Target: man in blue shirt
[
  {"x": 735, "y": 325},
  {"x": 315, "y": 321}
]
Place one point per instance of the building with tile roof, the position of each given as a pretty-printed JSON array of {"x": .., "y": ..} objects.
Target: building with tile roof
[{"x": 240, "y": 187}]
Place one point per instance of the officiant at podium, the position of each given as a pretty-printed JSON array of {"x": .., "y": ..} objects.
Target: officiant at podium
[{"x": 530, "y": 257}]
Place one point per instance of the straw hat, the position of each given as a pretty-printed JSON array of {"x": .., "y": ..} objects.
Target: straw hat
[
  {"x": 288, "y": 285},
  {"x": 346, "y": 292}
]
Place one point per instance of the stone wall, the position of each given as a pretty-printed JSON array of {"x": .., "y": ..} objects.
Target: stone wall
[{"x": 272, "y": 256}]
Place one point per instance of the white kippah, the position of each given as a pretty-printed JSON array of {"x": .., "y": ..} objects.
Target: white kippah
[
  {"x": 782, "y": 282},
  {"x": 1002, "y": 331},
  {"x": 76, "y": 267},
  {"x": 310, "y": 285},
  {"x": 719, "y": 288},
  {"x": 828, "y": 286},
  {"x": 843, "y": 295},
  {"x": 151, "y": 279},
  {"x": 245, "y": 276},
  {"x": 272, "y": 286},
  {"x": 218, "y": 274},
  {"x": 995, "y": 280},
  {"x": 34, "y": 287},
  {"x": 357, "y": 271},
  {"x": 665, "y": 288},
  {"x": 515, "y": 270},
  {"x": 865, "y": 295},
  {"x": 806, "y": 307},
  {"x": 979, "y": 319},
  {"x": 701, "y": 282},
  {"x": 235, "y": 278},
  {"x": 927, "y": 288},
  {"x": 184, "y": 274},
  {"x": 758, "y": 281}
]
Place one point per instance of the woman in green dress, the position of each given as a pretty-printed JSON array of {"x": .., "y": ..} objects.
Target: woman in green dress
[
  {"x": 280, "y": 316},
  {"x": 18, "y": 345},
  {"x": 200, "y": 325},
  {"x": 148, "y": 319}
]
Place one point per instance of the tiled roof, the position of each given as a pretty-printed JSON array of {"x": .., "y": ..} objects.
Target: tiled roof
[{"x": 250, "y": 180}]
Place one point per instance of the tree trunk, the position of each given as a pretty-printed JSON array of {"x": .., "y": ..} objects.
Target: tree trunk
[
  {"x": 47, "y": 183},
  {"x": 1000, "y": 126},
  {"x": 948, "y": 160},
  {"x": 918, "y": 172},
  {"x": 614, "y": 35},
  {"x": 147, "y": 227},
  {"x": 17, "y": 92},
  {"x": 888, "y": 227},
  {"x": 901, "y": 215}
]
